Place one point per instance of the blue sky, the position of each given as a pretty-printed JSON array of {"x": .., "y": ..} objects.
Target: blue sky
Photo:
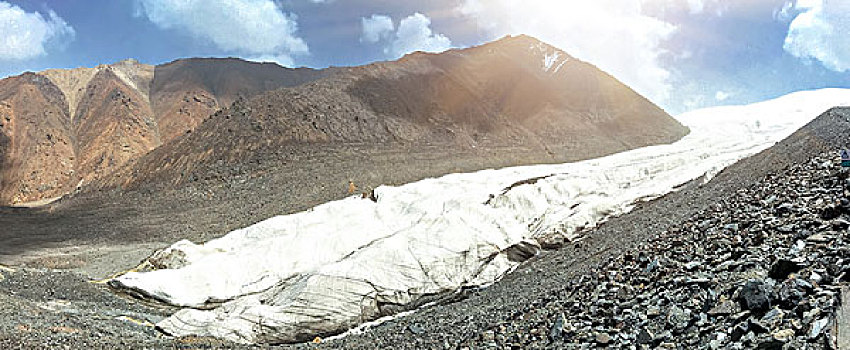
[{"x": 681, "y": 54}]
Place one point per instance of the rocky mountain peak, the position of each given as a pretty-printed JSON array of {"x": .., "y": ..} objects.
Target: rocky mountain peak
[
  {"x": 73, "y": 82},
  {"x": 110, "y": 114},
  {"x": 515, "y": 92}
]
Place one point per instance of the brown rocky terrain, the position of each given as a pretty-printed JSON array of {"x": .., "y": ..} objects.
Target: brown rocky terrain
[
  {"x": 105, "y": 116},
  {"x": 516, "y": 92},
  {"x": 113, "y": 125},
  {"x": 185, "y": 92},
  {"x": 497, "y": 95},
  {"x": 37, "y": 158}
]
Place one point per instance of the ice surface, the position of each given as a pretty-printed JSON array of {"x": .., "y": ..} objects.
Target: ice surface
[{"x": 347, "y": 262}]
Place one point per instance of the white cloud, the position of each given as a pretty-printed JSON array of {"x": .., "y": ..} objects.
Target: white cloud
[
  {"x": 819, "y": 32},
  {"x": 612, "y": 34},
  {"x": 25, "y": 34},
  {"x": 251, "y": 28},
  {"x": 376, "y": 28},
  {"x": 784, "y": 14},
  {"x": 694, "y": 102},
  {"x": 696, "y": 6},
  {"x": 283, "y": 60},
  {"x": 722, "y": 95},
  {"x": 415, "y": 34}
]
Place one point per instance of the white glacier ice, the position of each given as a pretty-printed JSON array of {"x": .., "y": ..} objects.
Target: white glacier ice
[{"x": 346, "y": 262}]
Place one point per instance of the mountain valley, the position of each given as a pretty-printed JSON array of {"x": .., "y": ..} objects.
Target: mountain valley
[{"x": 507, "y": 195}]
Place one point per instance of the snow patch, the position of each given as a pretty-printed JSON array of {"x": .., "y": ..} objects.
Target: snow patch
[
  {"x": 550, "y": 59},
  {"x": 560, "y": 65},
  {"x": 350, "y": 261}
]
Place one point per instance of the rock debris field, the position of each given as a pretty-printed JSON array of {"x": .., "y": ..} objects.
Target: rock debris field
[{"x": 767, "y": 269}]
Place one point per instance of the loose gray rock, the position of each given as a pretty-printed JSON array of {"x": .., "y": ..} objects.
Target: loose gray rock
[{"x": 755, "y": 295}]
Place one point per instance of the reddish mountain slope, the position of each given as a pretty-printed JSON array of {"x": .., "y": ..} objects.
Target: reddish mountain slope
[
  {"x": 61, "y": 126},
  {"x": 113, "y": 125},
  {"x": 36, "y": 140}
]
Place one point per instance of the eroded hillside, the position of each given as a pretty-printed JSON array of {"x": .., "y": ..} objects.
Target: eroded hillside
[{"x": 64, "y": 128}]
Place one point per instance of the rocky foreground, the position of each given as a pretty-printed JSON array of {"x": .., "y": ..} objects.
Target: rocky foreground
[
  {"x": 767, "y": 268},
  {"x": 753, "y": 259}
]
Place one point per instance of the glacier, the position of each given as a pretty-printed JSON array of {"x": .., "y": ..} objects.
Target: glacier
[{"x": 328, "y": 269}]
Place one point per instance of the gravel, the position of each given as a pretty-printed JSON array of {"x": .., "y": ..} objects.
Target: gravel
[{"x": 729, "y": 301}]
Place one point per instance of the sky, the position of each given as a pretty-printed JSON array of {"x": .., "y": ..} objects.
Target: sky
[{"x": 680, "y": 54}]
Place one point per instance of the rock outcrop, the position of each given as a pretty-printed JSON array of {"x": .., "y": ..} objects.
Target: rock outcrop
[{"x": 113, "y": 124}]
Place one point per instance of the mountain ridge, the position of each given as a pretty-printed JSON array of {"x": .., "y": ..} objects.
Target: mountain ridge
[
  {"x": 498, "y": 94},
  {"x": 124, "y": 98},
  {"x": 516, "y": 91}
]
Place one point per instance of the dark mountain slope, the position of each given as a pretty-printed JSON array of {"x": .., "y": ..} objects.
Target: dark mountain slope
[
  {"x": 516, "y": 86},
  {"x": 516, "y": 92},
  {"x": 184, "y": 92}
]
